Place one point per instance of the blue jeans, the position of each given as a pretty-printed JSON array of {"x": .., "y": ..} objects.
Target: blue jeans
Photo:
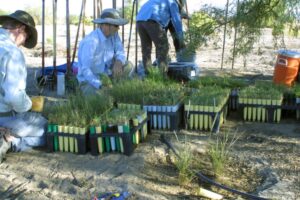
[{"x": 28, "y": 128}]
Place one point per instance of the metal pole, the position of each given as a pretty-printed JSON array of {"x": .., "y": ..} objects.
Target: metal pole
[
  {"x": 99, "y": 8},
  {"x": 235, "y": 34},
  {"x": 78, "y": 28},
  {"x": 94, "y": 12},
  {"x": 83, "y": 17},
  {"x": 114, "y": 4},
  {"x": 54, "y": 34},
  {"x": 43, "y": 38},
  {"x": 123, "y": 16},
  {"x": 136, "y": 36},
  {"x": 68, "y": 38},
  {"x": 130, "y": 30},
  {"x": 224, "y": 35}
]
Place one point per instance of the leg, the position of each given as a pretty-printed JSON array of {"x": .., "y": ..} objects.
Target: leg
[
  {"x": 176, "y": 43},
  {"x": 146, "y": 44},
  {"x": 26, "y": 125},
  {"x": 159, "y": 37},
  {"x": 25, "y": 143}
]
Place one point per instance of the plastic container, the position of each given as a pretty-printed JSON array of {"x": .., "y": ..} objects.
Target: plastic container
[
  {"x": 60, "y": 83},
  {"x": 286, "y": 67},
  {"x": 183, "y": 70}
]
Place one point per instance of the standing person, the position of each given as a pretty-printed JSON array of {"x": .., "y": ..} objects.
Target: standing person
[
  {"x": 102, "y": 52},
  {"x": 152, "y": 23},
  {"x": 20, "y": 130}
]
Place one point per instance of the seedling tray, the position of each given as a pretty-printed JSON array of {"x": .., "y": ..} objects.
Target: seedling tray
[
  {"x": 59, "y": 140},
  {"x": 206, "y": 119},
  {"x": 112, "y": 139},
  {"x": 165, "y": 117}
]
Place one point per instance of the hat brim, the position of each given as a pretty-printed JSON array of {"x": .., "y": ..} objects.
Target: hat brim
[
  {"x": 31, "y": 41},
  {"x": 118, "y": 22}
]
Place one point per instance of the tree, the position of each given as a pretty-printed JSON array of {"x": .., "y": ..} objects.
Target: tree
[{"x": 250, "y": 17}]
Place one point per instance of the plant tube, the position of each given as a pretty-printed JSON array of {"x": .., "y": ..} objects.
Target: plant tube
[
  {"x": 60, "y": 138},
  {"x": 120, "y": 131},
  {"x": 71, "y": 139},
  {"x": 100, "y": 141},
  {"x": 66, "y": 138},
  {"x": 76, "y": 133},
  {"x": 259, "y": 109},
  {"x": 55, "y": 131},
  {"x": 263, "y": 111}
]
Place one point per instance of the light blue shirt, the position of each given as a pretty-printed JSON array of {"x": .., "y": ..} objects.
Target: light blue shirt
[
  {"x": 96, "y": 54},
  {"x": 13, "y": 75},
  {"x": 162, "y": 11}
]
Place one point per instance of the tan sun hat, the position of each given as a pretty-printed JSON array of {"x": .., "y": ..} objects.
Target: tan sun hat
[
  {"x": 27, "y": 20},
  {"x": 110, "y": 16}
]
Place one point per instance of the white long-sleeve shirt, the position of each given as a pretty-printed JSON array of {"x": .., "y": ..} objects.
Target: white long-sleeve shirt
[
  {"x": 95, "y": 56},
  {"x": 13, "y": 74}
]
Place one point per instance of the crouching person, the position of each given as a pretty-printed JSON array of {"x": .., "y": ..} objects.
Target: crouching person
[
  {"x": 102, "y": 53},
  {"x": 20, "y": 129}
]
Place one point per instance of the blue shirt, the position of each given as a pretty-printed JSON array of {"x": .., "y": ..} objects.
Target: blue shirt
[
  {"x": 162, "y": 11},
  {"x": 13, "y": 75},
  {"x": 96, "y": 54}
]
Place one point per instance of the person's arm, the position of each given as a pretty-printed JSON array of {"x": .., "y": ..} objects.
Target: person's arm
[
  {"x": 176, "y": 19},
  {"x": 14, "y": 82},
  {"x": 86, "y": 55},
  {"x": 178, "y": 44}
]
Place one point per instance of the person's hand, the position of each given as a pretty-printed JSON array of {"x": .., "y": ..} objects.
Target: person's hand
[
  {"x": 37, "y": 103},
  {"x": 117, "y": 69}
]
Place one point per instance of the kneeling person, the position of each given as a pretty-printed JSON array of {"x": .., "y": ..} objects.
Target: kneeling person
[
  {"x": 102, "y": 52},
  {"x": 20, "y": 129}
]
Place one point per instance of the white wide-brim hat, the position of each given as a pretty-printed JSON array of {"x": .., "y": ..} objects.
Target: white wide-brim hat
[{"x": 110, "y": 16}]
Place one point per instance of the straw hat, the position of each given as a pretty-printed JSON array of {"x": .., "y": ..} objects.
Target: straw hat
[
  {"x": 27, "y": 20},
  {"x": 111, "y": 16}
]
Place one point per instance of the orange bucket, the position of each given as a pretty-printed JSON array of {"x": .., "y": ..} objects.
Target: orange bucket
[{"x": 287, "y": 67}]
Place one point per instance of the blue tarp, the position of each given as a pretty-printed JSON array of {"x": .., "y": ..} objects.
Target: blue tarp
[{"x": 60, "y": 68}]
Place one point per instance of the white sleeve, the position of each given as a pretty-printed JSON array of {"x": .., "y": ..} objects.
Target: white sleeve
[
  {"x": 86, "y": 59},
  {"x": 14, "y": 82}
]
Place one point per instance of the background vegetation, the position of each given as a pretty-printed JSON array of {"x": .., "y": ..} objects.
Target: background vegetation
[{"x": 248, "y": 18}]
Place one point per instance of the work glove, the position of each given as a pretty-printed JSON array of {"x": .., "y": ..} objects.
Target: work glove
[{"x": 37, "y": 103}]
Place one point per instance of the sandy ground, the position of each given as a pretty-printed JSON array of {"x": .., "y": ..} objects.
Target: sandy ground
[{"x": 264, "y": 161}]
